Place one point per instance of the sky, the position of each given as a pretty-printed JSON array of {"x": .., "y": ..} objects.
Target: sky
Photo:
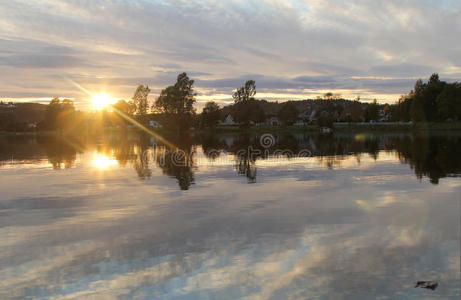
[{"x": 294, "y": 49}]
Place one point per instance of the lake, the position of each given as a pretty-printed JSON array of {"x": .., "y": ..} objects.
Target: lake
[{"x": 272, "y": 216}]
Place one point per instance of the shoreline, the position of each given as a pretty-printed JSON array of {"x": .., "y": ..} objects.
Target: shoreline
[{"x": 346, "y": 127}]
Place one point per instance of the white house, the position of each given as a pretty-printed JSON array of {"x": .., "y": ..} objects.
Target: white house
[
  {"x": 325, "y": 130},
  {"x": 299, "y": 122},
  {"x": 228, "y": 121},
  {"x": 273, "y": 121},
  {"x": 155, "y": 124},
  {"x": 312, "y": 116}
]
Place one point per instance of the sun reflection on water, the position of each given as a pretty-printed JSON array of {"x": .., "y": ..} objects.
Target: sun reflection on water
[{"x": 102, "y": 161}]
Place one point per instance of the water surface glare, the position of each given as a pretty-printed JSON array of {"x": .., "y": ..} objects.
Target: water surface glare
[{"x": 228, "y": 217}]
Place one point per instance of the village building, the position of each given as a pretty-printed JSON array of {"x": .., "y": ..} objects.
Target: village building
[{"x": 228, "y": 121}]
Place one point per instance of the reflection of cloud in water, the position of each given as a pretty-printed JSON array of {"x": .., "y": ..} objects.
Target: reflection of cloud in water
[
  {"x": 282, "y": 256},
  {"x": 302, "y": 231}
]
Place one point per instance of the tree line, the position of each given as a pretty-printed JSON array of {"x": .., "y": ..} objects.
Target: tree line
[{"x": 434, "y": 101}]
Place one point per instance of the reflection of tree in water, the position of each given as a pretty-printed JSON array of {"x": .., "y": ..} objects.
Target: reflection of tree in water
[
  {"x": 211, "y": 146},
  {"x": 332, "y": 150},
  {"x": 246, "y": 165},
  {"x": 372, "y": 147},
  {"x": 247, "y": 149},
  {"x": 434, "y": 156},
  {"x": 289, "y": 144},
  {"x": 330, "y": 162},
  {"x": 24, "y": 148},
  {"x": 61, "y": 151},
  {"x": 177, "y": 163},
  {"x": 123, "y": 149},
  {"x": 141, "y": 163}
]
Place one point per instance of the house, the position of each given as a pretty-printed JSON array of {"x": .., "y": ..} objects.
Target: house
[
  {"x": 325, "y": 130},
  {"x": 7, "y": 104},
  {"x": 155, "y": 124},
  {"x": 304, "y": 115},
  {"x": 385, "y": 113},
  {"x": 299, "y": 122},
  {"x": 313, "y": 116},
  {"x": 303, "y": 118},
  {"x": 228, "y": 121},
  {"x": 273, "y": 121}
]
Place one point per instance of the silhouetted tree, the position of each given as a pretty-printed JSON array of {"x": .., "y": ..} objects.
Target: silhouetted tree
[
  {"x": 402, "y": 110},
  {"x": 424, "y": 103},
  {"x": 372, "y": 112},
  {"x": 124, "y": 110},
  {"x": 246, "y": 112},
  {"x": 211, "y": 114},
  {"x": 246, "y": 108},
  {"x": 356, "y": 111},
  {"x": 325, "y": 120},
  {"x": 449, "y": 102},
  {"x": 288, "y": 113},
  {"x": 141, "y": 103},
  {"x": 246, "y": 92},
  {"x": 60, "y": 115},
  {"x": 431, "y": 90},
  {"x": 128, "y": 108},
  {"x": 7, "y": 121},
  {"x": 417, "y": 95},
  {"x": 177, "y": 103}
]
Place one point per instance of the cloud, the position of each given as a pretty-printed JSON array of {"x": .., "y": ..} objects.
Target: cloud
[
  {"x": 401, "y": 70},
  {"x": 43, "y": 61},
  {"x": 332, "y": 44}
]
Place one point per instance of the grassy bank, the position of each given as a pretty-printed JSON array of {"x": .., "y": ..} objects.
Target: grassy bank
[
  {"x": 257, "y": 129},
  {"x": 346, "y": 127},
  {"x": 453, "y": 126},
  {"x": 371, "y": 127}
]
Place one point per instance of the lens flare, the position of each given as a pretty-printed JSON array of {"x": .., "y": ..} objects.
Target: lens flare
[{"x": 101, "y": 101}]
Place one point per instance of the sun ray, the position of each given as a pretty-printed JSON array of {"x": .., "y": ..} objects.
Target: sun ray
[
  {"x": 78, "y": 86},
  {"x": 123, "y": 115},
  {"x": 144, "y": 128}
]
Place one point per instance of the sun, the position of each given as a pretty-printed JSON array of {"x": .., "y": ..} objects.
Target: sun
[{"x": 101, "y": 101}]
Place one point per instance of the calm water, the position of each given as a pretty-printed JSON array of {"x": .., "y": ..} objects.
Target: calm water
[{"x": 228, "y": 217}]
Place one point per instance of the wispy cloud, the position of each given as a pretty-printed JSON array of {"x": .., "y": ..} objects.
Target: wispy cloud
[{"x": 294, "y": 44}]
